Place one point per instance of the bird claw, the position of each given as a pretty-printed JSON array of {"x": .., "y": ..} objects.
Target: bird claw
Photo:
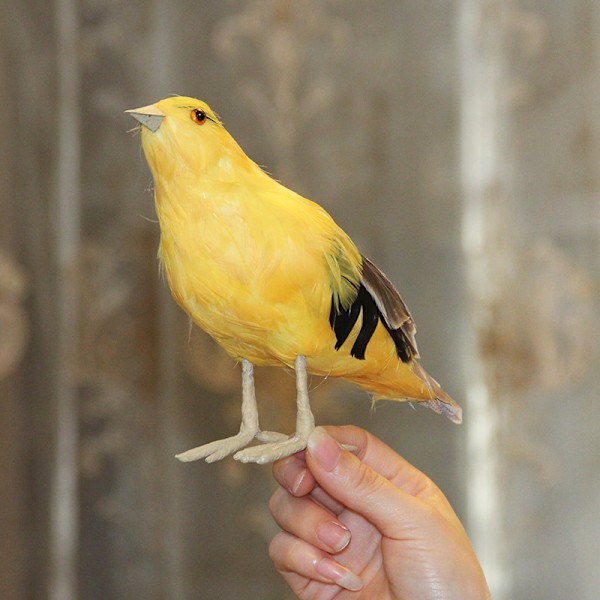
[
  {"x": 275, "y": 446},
  {"x": 271, "y": 452},
  {"x": 218, "y": 449}
]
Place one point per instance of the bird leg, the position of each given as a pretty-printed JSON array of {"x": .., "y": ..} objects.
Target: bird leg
[
  {"x": 248, "y": 430},
  {"x": 305, "y": 423}
]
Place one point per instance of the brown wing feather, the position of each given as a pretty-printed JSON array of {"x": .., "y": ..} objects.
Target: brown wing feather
[{"x": 393, "y": 310}]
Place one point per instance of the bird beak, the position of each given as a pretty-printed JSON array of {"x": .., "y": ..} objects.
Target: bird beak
[{"x": 149, "y": 116}]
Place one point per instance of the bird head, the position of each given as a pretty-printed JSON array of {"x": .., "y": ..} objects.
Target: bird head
[{"x": 184, "y": 134}]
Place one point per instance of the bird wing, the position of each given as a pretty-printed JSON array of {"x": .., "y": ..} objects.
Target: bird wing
[{"x": 374, "y": 296}]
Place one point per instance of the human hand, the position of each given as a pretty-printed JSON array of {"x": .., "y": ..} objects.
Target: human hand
[{"x": 367, "y": 525}]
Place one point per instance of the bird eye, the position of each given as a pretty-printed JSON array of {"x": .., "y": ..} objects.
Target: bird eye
[{"x": 199, "y": 116}]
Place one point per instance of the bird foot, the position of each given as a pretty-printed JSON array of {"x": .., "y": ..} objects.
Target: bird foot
[
  {"x": 267, "y": 437},
  {"x": 221, "y": 448},
  {"x": 275, "y": 446},
  {"x": 273, "y": 451},
  {"x": 218, "y": 449}
]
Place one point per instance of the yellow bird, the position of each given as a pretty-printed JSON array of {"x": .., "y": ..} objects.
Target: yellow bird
[{"x": 272, "y": 278}]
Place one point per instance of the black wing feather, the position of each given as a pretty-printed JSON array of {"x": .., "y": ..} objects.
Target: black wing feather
[
  {"x": 343, "y": 320},
  {"x": 370, "y": 318},
  {"x": 377, "y": 299}
]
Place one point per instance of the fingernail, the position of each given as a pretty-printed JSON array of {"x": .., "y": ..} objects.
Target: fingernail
[
  {"x": 298, "y": 481},
  {"x": 334, "y": 535},
  {"x": 343, "y": 577},
  {"x": 293, "y": 476},
  {"x": 324, "y": 449}
]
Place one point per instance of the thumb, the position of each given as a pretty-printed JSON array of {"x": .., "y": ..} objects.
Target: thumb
[{"x": 359, "y": 487}]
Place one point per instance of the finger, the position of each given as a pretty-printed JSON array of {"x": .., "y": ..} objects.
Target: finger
[
  {"x": 292, "y": 474},
  {"x": 325, "y": 500},
  {"x": 309, "y": 521},
  {"x": 360, "y": 487},
  {"x": 385, "y": 461},
  {"x": 294, "y": 557}
]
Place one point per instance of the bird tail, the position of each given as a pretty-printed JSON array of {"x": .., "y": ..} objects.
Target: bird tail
[{"x": 441, "y": 402}]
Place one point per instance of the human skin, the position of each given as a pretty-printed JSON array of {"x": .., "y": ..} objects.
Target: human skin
[{"x": 367, "y": 524}]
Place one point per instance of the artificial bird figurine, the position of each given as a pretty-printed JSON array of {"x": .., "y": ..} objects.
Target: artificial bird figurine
[{"x": 272, "y": 278}]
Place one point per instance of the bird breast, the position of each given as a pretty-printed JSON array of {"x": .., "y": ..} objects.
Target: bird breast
[{"x": 246, "y": 267}]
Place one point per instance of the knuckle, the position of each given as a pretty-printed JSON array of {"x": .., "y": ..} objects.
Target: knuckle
[{"x": 367, "y": 482}]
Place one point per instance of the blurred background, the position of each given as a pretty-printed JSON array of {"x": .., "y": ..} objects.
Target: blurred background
[{"x": 456, "y": 141}]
